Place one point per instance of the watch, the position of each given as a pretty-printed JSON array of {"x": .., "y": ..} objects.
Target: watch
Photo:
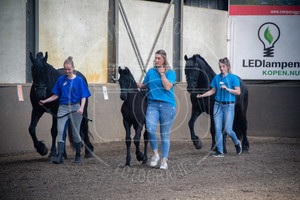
[{"x": 161, "y": 73}]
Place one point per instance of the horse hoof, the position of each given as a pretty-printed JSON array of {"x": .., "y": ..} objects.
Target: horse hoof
[
  {"x": 197, "y": 143},
  {"x": 245, "y": 149},
  {"x": 213, "y": 147},
  {"x": 140, "y": 156},
  {"x": 127, "y": 165},
  {"x": 88, "y": 154},
  {"x": 145, "y": 160},
  {"x": 41, "y": 148}
]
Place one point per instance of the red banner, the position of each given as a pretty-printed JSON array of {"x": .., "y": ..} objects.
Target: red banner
[{"x": 264, "y": 10}]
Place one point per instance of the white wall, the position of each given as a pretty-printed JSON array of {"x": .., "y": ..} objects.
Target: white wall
[
  {"x": 204, "y": 33},
  {"x": 12, "y": 41},
  {"x": 145, "y": 19},
  {"x": 79, "y": 29},
  {"x": 75, "y": 28}
]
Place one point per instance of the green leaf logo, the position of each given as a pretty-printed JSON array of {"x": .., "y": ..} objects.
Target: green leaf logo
[{"x": 268, "y": 36}]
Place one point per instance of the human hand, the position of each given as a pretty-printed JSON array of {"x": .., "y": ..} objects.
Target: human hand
[
  {"x": 161, "y": 69},
  {"x": 199, "y": 96},
  {"x": 42, "y": 102},
  {"x": 80, "y": 111},
  {"x": 223, "y": 87},
  {"x": 140, "y": 85}
]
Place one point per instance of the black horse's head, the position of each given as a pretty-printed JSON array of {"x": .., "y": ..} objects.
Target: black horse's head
[
  {"x": 39, "y": 74},
  {"x": 127, "y": 82},
  {"x": 198, "y": 74}
]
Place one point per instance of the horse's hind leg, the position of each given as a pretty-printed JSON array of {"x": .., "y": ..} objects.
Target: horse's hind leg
[
  {"x": 145, "y": 147},
  {"x": 89, "y": 148},
  {"x": 245, "y": 142},
  {"x": 128, "y": 142},
  {"x": 196, "y": 141},
  {"x": 137, "y": 137},
  {"x": 40, "y": 146}
]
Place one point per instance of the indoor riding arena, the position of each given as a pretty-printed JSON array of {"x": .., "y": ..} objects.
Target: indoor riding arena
[{"x": 259, "y": 37}]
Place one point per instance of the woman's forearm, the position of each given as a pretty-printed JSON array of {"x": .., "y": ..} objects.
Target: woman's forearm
[{"x": 166, "y": 83}]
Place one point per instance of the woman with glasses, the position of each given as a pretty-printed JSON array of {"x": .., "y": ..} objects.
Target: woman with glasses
[
  {"x": 226, "y": 86},
  {"x": 161, "y": 106}
]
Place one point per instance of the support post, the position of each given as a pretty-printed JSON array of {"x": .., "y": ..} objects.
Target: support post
[
  {"x": 32, "y": 33},
  {"x": 113, "y": 41},
  {"x": 177, "y": 38}
]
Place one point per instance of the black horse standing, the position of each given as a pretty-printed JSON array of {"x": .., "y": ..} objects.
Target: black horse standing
[
  {"x": 44, "y": 78},
  {"x": 199, "y": 76},
  {"x": 134, "y": 113}
]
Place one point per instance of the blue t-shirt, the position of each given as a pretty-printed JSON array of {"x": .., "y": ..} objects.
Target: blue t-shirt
[
  {"x": 156, "y": 88},
  {"x": 231, "y": 81},
  {"x": 70, "y": 90}
]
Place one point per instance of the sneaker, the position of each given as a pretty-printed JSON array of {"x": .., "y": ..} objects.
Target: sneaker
[
  {"x": 218, "y": 154},
  {"x": 238, "y": 148},
  {"x": 154, "y": 160},
  {"x": 163, "y": 165}
]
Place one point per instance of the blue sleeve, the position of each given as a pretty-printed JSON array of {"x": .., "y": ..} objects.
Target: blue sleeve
[
  {"x": 236, "y": 81},
  {"x": 214, "y": 82},
  {"x": 171, "y": 76},
  {"x": 146, "y": 79},
  {"x": 85, "y": 92},
  {"x": 57, "y": 88}
]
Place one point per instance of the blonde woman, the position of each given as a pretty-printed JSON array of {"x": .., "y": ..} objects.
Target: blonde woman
[
  {"x": 161, "y": 106},
  {"x": 226, "y": 86},
  {"x": 72, "y": 92}
]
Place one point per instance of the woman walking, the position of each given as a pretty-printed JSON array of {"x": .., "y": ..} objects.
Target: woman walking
[
  {"x": 226, "y": 86},
  {"x": 161, "y": 106},
  {"x": 72, "y": 91}
]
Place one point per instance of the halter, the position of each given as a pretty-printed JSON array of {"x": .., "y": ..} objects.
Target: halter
[
  {"x": 129, "y": 89},
  {"x": 40, "y": 86}
]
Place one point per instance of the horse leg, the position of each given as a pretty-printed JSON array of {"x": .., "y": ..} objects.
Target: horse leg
[
  {"x": 224, "y": 143},
  {"x": 213, "y": 134},
  {"x": 137, "y": 137},
  {"x": 245, "y": 142},
  {"x": 196, "y": 141},
  {"x": 54, "y": 135},
  {"x": 40, "y": 146},
  {"x": 146, "y": 139},
  {"x": 128, "y": 142},
  {"x": 89, "y": 148}
]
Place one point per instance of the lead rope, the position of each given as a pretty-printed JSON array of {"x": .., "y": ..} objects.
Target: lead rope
[
  {"x": 54, "y": 115},
  {"x": 218, "y": 110}
]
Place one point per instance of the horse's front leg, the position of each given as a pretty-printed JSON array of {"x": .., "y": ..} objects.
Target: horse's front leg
[
  {"x": 196, "y": 141},
  {"x": 54, "y": 135},
  {"x": 40, "y": 146},
  {"x": 128, "y": 141},
  {"x": 137, "y": 137},
  {"x": 213, "y": 134},
  {"x": 146, "y": 139}
]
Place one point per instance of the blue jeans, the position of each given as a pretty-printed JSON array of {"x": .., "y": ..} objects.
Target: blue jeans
[
  {"x": 224, "y": 114},
  {"x": 165, "y": 114}
]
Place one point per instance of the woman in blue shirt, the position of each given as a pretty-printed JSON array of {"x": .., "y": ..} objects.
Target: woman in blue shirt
[
  {"x": 72, "y": 92},
  {"x": 161, "y": 106},
  {"x": 226, "y": 86}
]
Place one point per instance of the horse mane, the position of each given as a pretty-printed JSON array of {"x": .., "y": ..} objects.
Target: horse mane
[{"x": 206, "y": 67}]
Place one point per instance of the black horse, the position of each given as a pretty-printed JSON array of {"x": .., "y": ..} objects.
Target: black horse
[
  {"x": 199, "y": 76},
  {"x": 44, "y": 78},
  {"x": 134, "y": 113}
]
